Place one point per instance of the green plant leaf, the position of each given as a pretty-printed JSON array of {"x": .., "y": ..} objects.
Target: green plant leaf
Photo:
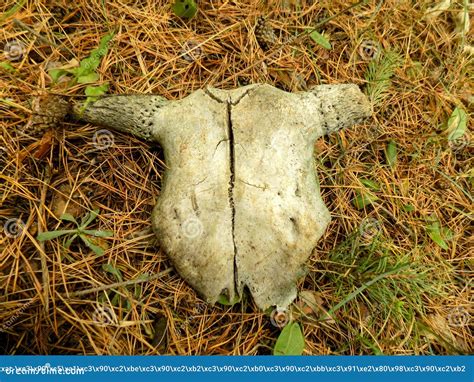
[
  {"x": 69, "y": 241},
  {"x": 128, "y": 305},
  {"x": 50, "y": 235},
  {"x": 88, "y": 78},
  {"x": 434, "y": 232},
  {"x": 184, "y": 8},
  {"x": 109, "y": 268},
  {"x": 391, "y": 153},
  {"x": 446, "y": 233},
  {"x": 137, "y": 292},
  {"x": 93, "y": 93},
  {"x": 96, "y": 91},
  {"x": 456, "y": 125},
  {"x": 7, "y": 66},
  {"x": 90, "y": 64},
  {"x": 222, "y": 299},
  {"x": 320, "y": 39},
  {"x": 86, "y": 71},
  {"x": 290, "y": 341},
  {"x": 364, "y": 199},
  {"x": 10, "y": 12},
  {"x": 56, "y": 74},
  {"x": 69, "y": 218},
  {"x": 98, "y": 233},
  {"x": 370, "y": 184},
  {"x": 89, "y": 218},
  {"x": 97, "y": 250},
  {"x": 116, "y": 300}
]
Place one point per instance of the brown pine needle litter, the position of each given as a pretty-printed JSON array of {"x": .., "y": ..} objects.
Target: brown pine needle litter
[{"x": 393, "y": 273}]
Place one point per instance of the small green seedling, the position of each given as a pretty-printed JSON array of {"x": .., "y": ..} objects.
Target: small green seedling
[
  {"x": 184, "y": 8},
  {"x": 86, "y": 72},
  {"x": 81, "y": 231},
  {"x": 379, "y": 75}
]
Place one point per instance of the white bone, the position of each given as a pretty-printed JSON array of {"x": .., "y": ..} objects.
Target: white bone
[{"x": 240, "y": 205}]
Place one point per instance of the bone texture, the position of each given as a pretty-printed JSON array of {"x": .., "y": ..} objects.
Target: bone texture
[{"x": 240, "y": 204}]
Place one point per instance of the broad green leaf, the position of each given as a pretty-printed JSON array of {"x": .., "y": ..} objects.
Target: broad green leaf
[
  {"x": 109, "y": 268},
  {"x": 7, "y": 66},
  {"x": 363, "y": 199},
  {"x": 184, "y": 8},
  {"x": 408, "y": 207},
  {"x": 50, "y": 235},
  {"x": 96, "y": 91},
  {"x": 434, "y": 232},
  {"x": 90, "y": 64},
  {"x": 457, "y": 123},
  {"x": 222, "y": 299},
  {"x": 97, "y": 250},
  {"x": 391, "y": 153},
  {"x": 98, "y": 233},
  {"x": 370, "y": 184},
  {"x": 88, "y": 78},
  {"x": 87, "y": 65},
  {"x": 446, "y": 233},
  {"x": 290, "y": 341},
  {"x": 56, "y": 74},
  {"x": 69, "y": 218},
  {"x": 320, "y": 39},
  {"x": 93, "y": 93},
  {"x": 103, "y": 47}
]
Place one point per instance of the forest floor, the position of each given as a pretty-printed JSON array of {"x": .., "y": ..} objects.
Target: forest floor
[{"x": 392, "y": 273}]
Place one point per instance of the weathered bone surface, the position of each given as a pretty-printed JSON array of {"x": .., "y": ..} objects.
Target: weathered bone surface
[{"x": 240, "y": 203}]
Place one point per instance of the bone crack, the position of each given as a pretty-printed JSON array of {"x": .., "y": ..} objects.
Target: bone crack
[{"x": 231, "y": 189}]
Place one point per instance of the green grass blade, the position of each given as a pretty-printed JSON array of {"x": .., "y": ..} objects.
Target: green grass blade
[
  {"x": 50, "y": 235},
  {"x": 365, "y": 286}
]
